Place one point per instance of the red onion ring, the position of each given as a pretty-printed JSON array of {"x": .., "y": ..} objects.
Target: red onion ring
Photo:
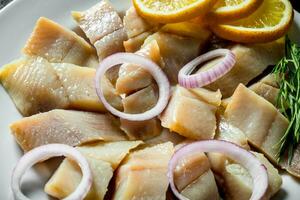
[
  {"x": 43, "y": 153},
  {"x": 151, "y": 67},
  {"x": 257, "y": 170},
  {"x": 206, "y": 77}
]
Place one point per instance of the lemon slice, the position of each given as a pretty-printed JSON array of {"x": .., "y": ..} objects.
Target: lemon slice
[
  {"x": 269, "y": 22},
  {"x": 229, "y": 10},
  {"x": 172, "y": 11}
]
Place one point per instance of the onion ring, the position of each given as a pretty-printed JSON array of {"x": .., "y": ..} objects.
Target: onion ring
[
  {"x": 43, "y": 153},
  {"x": 151, "y": 67},
  {"x": 257, "y": 170},
  {"x": 206, "y": 77}
]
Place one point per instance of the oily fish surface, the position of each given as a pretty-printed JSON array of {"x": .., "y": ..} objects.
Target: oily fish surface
[
  {"x": 247, "y": 110},
  {"x": 35, "y": 85},
  {"x": 58, "y": 44},
  {"x": 103, "y": 159},
  {"x": 235, "y": 179},
  {"x": 66, "y": 127},
  {"x": 150, "y": 164},
  {"x": 191, "y": 113},
  {"x": 104, "y": 28},
  {"x": 194, "y": 178},
  {"x": 251, "y": 60}
]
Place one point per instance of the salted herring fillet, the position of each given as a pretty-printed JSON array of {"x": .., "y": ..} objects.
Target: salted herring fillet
[
  {"x": 58, "y": 44},
  {"x": 194, "y": 178},
  {"x": 135, "y": 25},
  {"x": 67, "y": 127},
  {"x": 132, "y": 77},
  {"x": 104, "y": 28},
  {"x": 165, "y": 136},
  {"x": 103, "y": 158},
  {"x": 140, "y": 102},
  {"x": 35, "y": 85},
  {"x": 176, "y": 51},
  {"x": 143, "y": 174},
  {"x": 247, "y": 110},
  {"x": 189, "y": 115},
  {"x": 134, "y": 44},
  {"x": 251, "y": 60},
  {"x": 235, "y": 179}
]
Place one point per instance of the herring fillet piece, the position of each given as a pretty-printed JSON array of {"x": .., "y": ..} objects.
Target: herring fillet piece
[
  {"x": 247, "y": 110},
  {"x": 104, "y": 28},
  {"x": 176, "y": 51},
  {"x": 33, "y": 85},
  {"x": 189, "y": 115},
  {"x": 251, "y": 60},
  {"x": 98, "y": 21},
  {"x": 194, "y": 178},
  {"x": 134, "y": 44},
  {"x": 140, "y": 102},
  {"x": 103, "y": 158},
  {"x": 58, "y": 44},
  {"x": 67, "y": 127},
  {"x": 111, "y": 43},
  {"x": 133, "y": 77},
  {"x": 143, "y": 174},
  {"x": 134, "y": 24}
]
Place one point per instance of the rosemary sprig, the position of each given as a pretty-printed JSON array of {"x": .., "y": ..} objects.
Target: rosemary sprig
[{"x": 287, "y": 73}]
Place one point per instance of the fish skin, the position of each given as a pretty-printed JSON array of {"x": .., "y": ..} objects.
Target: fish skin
[
  {"x": 149, "y": 164},
  {"x": 103, "y": 158},
  {"x": 66, "y": 127},
  {"x": 110, "y": 44},
  {"x": 58, "y": 44},
  {"x": 59, "y": 85},
  {"x": 98, "y": 21}
]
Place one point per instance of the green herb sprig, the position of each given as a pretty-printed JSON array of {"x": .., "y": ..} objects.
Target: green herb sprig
[{"x": 287, "y": 73}]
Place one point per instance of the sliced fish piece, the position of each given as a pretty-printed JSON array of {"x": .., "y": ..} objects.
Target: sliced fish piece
[
  {"x": 176, "y": 51},
  {"x": 266, "y": 91},
  {"x": 111, "y": 43},
  {"x": 33, "y": 85},
  {"x": 189, "y": 116},
  {"x": 103, "y": 158},
  {"x": 135, "y": 43},
  {"x": 234, "y": 178},
  {"x": 132, "y": 77},
  {"x": 251, "y": 60},
  {"x": 135, "y": 24},
  {"x": 143, "y": 174},
  {"x": 98, "y": 21},
  {"x": 294, "y": 167},
  {"x": 238, "y": 184},
  {"x": 67, "y": 127},
  {"x": 247, "y": 111},
  {"x": 58, "y": 44},
  {"x": 165, "y": 136},
  {"x": 203, "y": 188},
  {"x": 140, "y": 102}
]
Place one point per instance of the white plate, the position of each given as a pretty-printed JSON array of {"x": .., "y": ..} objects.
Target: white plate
[{"x": 17, "y": 21}]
